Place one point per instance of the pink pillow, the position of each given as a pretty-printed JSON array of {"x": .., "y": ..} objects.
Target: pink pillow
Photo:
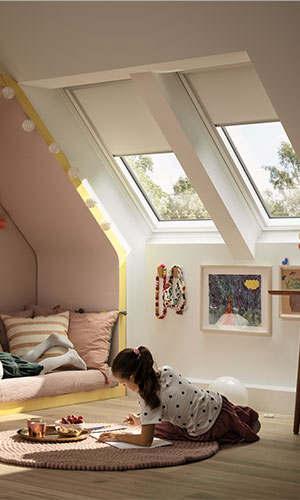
[
  {"x": 91, "y": 335},
  {"x": 3, "y": 337}
]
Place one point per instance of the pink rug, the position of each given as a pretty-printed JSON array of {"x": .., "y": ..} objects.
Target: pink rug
[{"x": 92, "y": 455}]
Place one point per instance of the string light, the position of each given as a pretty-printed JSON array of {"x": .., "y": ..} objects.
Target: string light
[
  {"x": 28, "y": 125},
  {"x": 8, "y": 93},
  {"x": 54, "y": 147}
]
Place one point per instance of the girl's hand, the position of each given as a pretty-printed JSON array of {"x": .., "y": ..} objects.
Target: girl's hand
[
  {"x": 133, "y": 419},
  {"x": 108, "y": 436}
]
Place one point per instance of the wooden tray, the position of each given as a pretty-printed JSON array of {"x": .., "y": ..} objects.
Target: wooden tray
[{"x": 52, "y": 436}]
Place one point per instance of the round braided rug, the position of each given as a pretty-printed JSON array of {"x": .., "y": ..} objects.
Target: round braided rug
[{"x": 92, "y": 455}]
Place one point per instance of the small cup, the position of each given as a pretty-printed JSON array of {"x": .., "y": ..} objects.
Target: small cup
[
  {"x": 31, "y": 421},
  {"x": 38, "y": 429}
]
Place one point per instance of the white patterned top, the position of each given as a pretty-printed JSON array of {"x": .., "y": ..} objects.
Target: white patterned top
[{"x": 182, "y": 404}]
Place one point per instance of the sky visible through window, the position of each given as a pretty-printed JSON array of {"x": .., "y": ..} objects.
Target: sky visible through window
[
  {"x": 165, "y": 186},
  {"x": 274, "y": 169}
]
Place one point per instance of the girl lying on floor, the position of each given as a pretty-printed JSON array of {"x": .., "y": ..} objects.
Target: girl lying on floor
[
  {"x": 173, "y": 408},
  {"x": 12, "y": 366}
]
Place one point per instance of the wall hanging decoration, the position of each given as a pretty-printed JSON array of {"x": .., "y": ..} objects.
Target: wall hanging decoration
[
  {"x": 54, "y": 147},
  {"x": 161, "y": 274},
  {"x": 289, "y": 280},
  {"x": 235, "y": 299},
  {"x": 28, "y": 125},
  {"x": 174, "y": 291},
  {"x": 8, "y": 93}
]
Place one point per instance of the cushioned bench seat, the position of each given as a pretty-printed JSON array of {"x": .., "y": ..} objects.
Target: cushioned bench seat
[{"x": 51, "y": 384}]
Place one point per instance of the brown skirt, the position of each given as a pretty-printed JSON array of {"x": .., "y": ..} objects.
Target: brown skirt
[{"x": 233, "y": 424}]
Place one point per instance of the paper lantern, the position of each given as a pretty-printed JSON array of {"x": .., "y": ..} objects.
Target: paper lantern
[
  {"x": 232, "y": 388},
  {"x": 105, "y": 225},
  {"x": 8, "y": 93},
  {"x": 54, "y": 147},
  {"x": 28, "y": 125},
  {"x": 90, "y": 203},
  {"x": 3, "y": 223},
  {"x": 73, "y": 172}
]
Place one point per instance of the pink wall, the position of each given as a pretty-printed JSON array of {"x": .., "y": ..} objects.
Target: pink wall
[
  {"x": 18, "y": 268},
  {"x": 77, "y": 266}
]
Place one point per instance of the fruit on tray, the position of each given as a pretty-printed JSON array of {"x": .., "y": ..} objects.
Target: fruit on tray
[
  {"x": 71, "y": 422},
  {"x": 71, "y": 419}
]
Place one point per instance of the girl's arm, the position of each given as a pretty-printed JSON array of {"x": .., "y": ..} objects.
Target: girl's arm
[{"x": 145, "y": 438}]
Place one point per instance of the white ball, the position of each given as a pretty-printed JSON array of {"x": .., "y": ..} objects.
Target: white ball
[
  {"x": 8, "y": 93},
  {"x": 232, "y": 388},
  {"x": 28, "y": 125},
  {"x": 54, "y": 147}
]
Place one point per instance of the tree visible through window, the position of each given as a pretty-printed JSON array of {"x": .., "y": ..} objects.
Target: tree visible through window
[
  {"x": 165, "y": 186},
  {"x": 268, "y": 158}
]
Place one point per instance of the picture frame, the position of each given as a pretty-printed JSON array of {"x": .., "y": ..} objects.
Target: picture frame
[
  {"x": 235, "y": 299},
  {"x": 289, "y": 279}
]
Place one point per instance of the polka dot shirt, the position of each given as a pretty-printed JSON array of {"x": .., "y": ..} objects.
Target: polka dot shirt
[{"x": 182, "y": 404}]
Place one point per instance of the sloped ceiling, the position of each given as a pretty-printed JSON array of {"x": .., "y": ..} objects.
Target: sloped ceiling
[
  {"x": 57, "y": 43},
  {"x": 40, "y": 198},
  {"x": 95, "y": 40}
]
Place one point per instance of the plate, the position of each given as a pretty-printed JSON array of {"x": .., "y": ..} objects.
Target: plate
[{"x": 51, "y": 436}]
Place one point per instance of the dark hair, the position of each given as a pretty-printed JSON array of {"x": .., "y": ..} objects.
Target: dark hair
[{"x": 139, "y": 363}]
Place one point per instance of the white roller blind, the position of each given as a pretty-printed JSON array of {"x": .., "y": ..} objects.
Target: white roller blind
[
  {"x": 232, "y": 94},
  {"x": 121, "y": 118}
]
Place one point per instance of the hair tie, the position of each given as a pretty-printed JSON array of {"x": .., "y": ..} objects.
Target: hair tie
[{"x": 136, "y": 351}]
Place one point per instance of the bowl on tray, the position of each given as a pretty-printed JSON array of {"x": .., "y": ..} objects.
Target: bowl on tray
[{"x": 70, "y": 423}]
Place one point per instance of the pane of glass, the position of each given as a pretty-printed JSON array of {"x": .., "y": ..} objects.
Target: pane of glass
[
  {"x": 266, "y": 154},
  {"x": 165, "y": 186}
]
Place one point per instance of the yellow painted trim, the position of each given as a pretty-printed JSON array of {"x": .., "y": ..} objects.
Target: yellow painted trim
[
  {"x": 61, "y": 400},
  {"x": 83, "y": 193}
]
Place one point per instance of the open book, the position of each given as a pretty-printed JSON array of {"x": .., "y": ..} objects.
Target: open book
[{"x": 126, "y": 446}]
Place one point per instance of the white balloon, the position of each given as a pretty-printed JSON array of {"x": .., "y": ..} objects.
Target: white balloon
[
  {"x": 54, "y": 147},
  {"x": 28, "y": 125},
  {"x": 232, "y": 388},
  {"x": 8, "y": 93}
]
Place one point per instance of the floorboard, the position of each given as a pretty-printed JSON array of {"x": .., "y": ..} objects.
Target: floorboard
[{"x": 266, "y": 470}]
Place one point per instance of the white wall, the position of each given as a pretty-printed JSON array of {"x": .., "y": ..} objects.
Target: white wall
[
  {"x": 268, "y": 363},
  {"x": 265, "y": 362}
]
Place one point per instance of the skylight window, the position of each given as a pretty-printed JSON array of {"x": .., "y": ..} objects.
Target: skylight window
[
  {"x": 270, "y": 162},
  {"x": 165, "y": 186}
]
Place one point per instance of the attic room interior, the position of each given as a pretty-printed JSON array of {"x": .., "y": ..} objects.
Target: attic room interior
[{"x": 149, "y": 196}]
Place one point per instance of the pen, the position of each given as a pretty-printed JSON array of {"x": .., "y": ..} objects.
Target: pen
[
  {"x": 125, "y": 421},
  {"x": 99, "y": 427},
  {"x": 105, "y": 427}
]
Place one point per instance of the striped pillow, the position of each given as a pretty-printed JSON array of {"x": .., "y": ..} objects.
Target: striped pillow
[{"x": 25, "y": 333}]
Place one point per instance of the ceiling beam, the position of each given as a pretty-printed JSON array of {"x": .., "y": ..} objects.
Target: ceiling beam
[{"x": 202, "y": 162}]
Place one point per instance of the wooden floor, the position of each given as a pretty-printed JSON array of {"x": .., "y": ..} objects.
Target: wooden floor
[{"x": 268, "y": 469}]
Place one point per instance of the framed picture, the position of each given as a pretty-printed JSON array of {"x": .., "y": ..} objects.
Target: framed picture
[
  {"x": 289, "y": 280},
  {"x": 235, "y": 299}
]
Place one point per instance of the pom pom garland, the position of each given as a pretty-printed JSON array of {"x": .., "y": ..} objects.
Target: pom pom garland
[{"x": 164, "y": 274}]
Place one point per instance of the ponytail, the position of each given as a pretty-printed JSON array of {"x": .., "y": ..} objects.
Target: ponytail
[{"x": 139, "y": 363}]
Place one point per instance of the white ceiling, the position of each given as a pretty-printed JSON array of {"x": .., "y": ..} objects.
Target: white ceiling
[{"x": 63, "y": 43}]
